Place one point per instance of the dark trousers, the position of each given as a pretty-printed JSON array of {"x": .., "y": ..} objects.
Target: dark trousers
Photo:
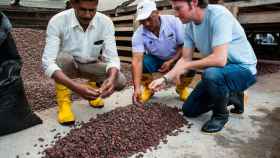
[{"x": 217, "y": 82}]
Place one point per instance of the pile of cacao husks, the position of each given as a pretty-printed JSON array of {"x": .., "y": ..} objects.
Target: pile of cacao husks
[
  {"x": 39, "y": 89},
  {"x": 120, "y": 133}
]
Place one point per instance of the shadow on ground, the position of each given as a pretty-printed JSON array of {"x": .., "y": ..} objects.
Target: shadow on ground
[{"x": 266, "y": 145}]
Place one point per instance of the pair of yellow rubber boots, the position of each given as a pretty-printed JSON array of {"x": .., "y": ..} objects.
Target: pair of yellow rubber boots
[
  {"x": 63, "y": 98},
  {"x": 181, "y": 89}
]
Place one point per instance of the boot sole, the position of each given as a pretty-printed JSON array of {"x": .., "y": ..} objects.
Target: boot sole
[
  {"x": 235, "y": 113},
  {"x": 214, "y": 133},
  {"x": 97, "y": 107},
  {"x": 70, "y": 123},
  {"x": 238, "y": 114}
]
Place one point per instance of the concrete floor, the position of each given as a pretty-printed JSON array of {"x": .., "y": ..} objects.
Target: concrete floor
[{"x": 255, "y": 134}]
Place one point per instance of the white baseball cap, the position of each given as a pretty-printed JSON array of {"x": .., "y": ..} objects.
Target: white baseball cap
[{"x": 145, "y": 8}]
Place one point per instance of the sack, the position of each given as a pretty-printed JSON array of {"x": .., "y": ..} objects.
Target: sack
[
  {"x": 5, "y": 27},
  {"x": 15, "y": 112}
]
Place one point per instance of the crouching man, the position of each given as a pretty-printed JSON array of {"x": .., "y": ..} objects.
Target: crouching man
[
  {"x": 157, "y": 46},
  {"x": 229, "y": 65},
  {"x": 74, "y": 42}
]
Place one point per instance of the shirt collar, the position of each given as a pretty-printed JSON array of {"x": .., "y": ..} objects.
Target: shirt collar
[
  {"x": 74, "y": 20},
  {"x": 76, "y": 23},
  {"x": 163, "y": 29}
]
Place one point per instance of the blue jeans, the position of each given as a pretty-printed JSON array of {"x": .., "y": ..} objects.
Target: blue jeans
[
  {"x": 217, "y": 82},
  {"x": 151, "y": 63}
]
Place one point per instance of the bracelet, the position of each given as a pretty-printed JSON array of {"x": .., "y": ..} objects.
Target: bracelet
[{"x": 165, "y": 79}]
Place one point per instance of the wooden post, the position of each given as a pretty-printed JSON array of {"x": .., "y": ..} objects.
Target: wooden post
[
  {"x": 234, "y": 10},
  {"x": 135, "y": 23}
]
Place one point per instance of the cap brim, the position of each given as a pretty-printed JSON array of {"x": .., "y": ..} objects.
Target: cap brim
[{"x": 143, "y": 16}]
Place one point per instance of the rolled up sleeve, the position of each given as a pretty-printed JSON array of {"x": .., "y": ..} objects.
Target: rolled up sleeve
[
  {"x": 110, "y": 53},
  {"x": 51, "y": 49}
]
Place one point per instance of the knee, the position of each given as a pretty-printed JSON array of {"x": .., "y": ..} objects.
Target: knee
[
  {"x": 121, "y": 83},
  {"x": 211, "y": 74},
  {"x": 149, "y": 64},
  {"x": 146, "y": 60},
  {"x": 215, "y": 82},
  {"x": 64, "y": 60},
  {"x": 146, "y": 66}
]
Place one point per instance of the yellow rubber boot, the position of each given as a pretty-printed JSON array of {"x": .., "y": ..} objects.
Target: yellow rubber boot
[
  {"x": 98, "y": 102},
  {"x": 65, "y": 114},
  {"x": 146, "y": 93},
  {"x": 183, "y": 89}
]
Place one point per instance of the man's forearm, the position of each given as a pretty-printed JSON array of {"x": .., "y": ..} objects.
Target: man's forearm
[
  {"x": 113, "y": 73},
  {"x": 137, "y": 73},
  {"x": 184, "y": 64},
  {"x": 218, "y": 58},
  {"x": 61, "y": 78},
  {"x": 186, "y": 56},
  {"x": 178, "y": 68},
  {"x": 210, "y": 61}
]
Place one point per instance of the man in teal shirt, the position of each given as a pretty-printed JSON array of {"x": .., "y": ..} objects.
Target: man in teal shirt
[{"x": 229, "y": 65}]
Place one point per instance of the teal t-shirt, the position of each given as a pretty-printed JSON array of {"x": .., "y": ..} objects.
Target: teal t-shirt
[{"x": 219, "y": 27}]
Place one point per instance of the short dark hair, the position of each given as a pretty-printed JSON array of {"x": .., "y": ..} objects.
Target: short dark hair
[{"x": 201, "y": 3}]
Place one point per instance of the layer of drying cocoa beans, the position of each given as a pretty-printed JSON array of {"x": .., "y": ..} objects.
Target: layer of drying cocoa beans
[{"x": 122, "y": 132}]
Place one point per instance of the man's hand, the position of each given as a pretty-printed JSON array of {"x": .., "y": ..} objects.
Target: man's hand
[
  {"x": 157, "y": 84},
  {"x": 166, "y": 66},
  {"x": 83, "y": 90},
  {"x": 87, "y": 92},
  {"x": 181, "y": 66},
  {"x": 107, "y": 88},
  {"x": 136, "y": 97}
]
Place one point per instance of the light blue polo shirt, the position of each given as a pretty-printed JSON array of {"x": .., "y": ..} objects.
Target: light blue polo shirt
[
  {"x": 219, "y": 27},
  {"x": 164, "y": 47}
]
